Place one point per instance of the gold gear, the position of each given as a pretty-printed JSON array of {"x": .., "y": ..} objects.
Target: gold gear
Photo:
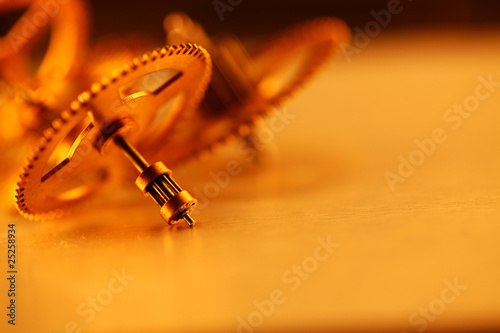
[
  {"x": 31, "y": 98},
  {"x": 247, "y": 85},
  {"x": 304, "y": 47},
  {"x": 129, "y": 99},
  {"x": 35, "y": 93},
  {"x": 68, "y": 24}
]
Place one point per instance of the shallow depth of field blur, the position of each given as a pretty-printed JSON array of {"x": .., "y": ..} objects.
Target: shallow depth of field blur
[{"x": 373, "y": 208}]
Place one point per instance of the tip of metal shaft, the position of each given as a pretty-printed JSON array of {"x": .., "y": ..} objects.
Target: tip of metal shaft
[{"x": 189, "y": 220}]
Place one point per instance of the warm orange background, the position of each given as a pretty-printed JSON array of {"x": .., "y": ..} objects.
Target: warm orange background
[{"x": 322, "y": 175}]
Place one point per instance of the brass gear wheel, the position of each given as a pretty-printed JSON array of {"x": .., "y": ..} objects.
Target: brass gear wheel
[
  {"x": 35, "y": 96},
  {"x": 67, "y": 165},
  {"x": 249, "y": 84},
  {"x": 68, "y": 23}
]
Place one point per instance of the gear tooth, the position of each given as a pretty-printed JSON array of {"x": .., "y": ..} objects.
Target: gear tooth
[
  {"x": 145, "y": 58},
  {"x": 125, "y": 70},
  {"x": 28, "y": 166},
  {"x": 30, "y": 159},
  {"x": 65, "y": 115},
  {"x": 83, "y": 98},
  {"x": 23, "y": 213},
  {"x": 136, "y": 61},
  {"x": 56, "y": 124},
  {"x": 132, "y": 66},
  {"x": 41, "y": 144},
  {"x": 35, "y": 151},
  {"x": 48, "y": 134},
  {"x": 155, "y": 54},
  {"x": 203, "y": 54},
  {"x": 21, "y": 181},
  {"x": 95, "y": 88},
  {"x": 114, "y": 76},
  {"x": 164, "y": 51},
  {"x": 105, "y": 81}
]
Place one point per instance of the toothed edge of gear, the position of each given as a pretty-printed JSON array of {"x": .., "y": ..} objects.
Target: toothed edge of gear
[{"x": 82, "y": 99}]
